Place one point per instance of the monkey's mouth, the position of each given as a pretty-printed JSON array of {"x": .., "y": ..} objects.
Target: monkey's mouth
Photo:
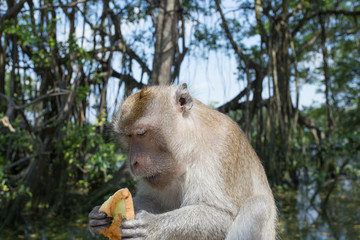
[{"x": 152, "y": 177}]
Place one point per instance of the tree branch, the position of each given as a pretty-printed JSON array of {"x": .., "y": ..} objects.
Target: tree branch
[
  {"x": 20, "y": 161},
  {"x": 12, "y": 12},
  {"x": 53, "y": 93},
  {"x": 336, "y": 13},
  {"x": 248, "y": 61},
  {"x": 122, "y": 46},
  {"x": 128, "y": 79},
  {"x": 234, "y": 103}
]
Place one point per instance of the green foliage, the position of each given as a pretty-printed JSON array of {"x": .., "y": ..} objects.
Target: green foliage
[
  {"x": 51, "y": 58},
  {"x": 342, "y": 148},
  {"x": 21, "y": 148},
  {"x": 85, "y": 149},
  {"x": 236, "y": 115},
  {"x": 209, "y": 37},
  {"x": 89, "y": 160},
  {"x": 82, "y": 92}
]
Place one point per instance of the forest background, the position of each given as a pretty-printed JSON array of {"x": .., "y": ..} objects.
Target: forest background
[{"x": 65, "y": 66}]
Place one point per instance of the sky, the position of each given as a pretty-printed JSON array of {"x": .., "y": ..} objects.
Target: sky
[{"x": 213, "y": 80}]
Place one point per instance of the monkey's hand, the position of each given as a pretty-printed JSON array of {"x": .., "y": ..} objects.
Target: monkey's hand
[
  {"x": 137, "y": 228},
  {"x": 98, "y": 220}
]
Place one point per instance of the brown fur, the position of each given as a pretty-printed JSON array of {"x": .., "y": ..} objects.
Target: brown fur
[
  {"x": 135, "y": 106},
  {"x": 194, "y": 165}
]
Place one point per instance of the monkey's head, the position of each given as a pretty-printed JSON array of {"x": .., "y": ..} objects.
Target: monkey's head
[{"x": 146, "y": 125}]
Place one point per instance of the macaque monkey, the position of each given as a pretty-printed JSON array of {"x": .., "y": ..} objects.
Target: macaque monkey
[{"x": 198, "y": 176}]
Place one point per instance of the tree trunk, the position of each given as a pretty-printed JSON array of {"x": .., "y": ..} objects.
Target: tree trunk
[
  {"x": 166, "y": 42},
  {"x": 2, "y": 66},
  {"x": 326, "y": 77}
]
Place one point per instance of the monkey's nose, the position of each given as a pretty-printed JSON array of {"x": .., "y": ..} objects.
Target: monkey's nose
[{"x": 134, "y": 164}]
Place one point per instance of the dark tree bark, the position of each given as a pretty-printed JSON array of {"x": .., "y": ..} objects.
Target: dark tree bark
[{"x": 167, "y": 36}]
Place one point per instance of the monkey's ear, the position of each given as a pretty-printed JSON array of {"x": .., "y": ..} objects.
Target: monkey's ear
[{"x": 184, "y": 100}]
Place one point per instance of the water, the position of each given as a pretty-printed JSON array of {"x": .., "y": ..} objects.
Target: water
[{"x": 299, "y": 219}]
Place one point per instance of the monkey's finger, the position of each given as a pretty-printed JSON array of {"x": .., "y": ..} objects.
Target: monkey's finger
[
  {"x": 96, "y": 214},
  {"x": 100, "y": 222},
  {"x": 141, "y": 238},
  {"x": 135, "y": 223},
  {"x": 133, "y": 233},
  {"x": 97, "y": 229}
]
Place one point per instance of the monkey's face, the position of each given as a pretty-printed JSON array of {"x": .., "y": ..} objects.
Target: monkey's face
[
  {"x": 144, "y": 123},
  {"x": 149, "y": 157}
]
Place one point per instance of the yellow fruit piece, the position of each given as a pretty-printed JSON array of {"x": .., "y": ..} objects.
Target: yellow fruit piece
[{"x": 118, "y": 206}]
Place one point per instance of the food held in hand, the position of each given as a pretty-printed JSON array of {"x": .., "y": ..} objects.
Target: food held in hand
[{"x": 118, "y": 206}]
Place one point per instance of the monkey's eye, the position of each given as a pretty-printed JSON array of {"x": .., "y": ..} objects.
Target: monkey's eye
[
  {"x": 125, "y": 134},
  {"x": 141, "y": 133}
]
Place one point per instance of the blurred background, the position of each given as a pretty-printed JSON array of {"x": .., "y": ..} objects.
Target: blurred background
[{"x": 287, "y": 71}]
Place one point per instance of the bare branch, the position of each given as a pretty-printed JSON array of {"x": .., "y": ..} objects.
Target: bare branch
[
  {"x": 21, "y": 161},
  {"x": 248, "y": 61},
  {"x": 335, "y": 12},
  {"x": 12, "y": 12},
  {"x": 128, "y": 79},
  {"x": 53, "y": 93},
  {"x": 122, "y": 45},
  {"x": 234, "y": 103}
]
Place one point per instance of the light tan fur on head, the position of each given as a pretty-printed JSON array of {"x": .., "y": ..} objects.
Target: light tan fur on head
[{"x": 133, "y": 108}]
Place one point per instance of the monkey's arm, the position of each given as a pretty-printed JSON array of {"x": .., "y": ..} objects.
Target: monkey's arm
[
  {"x": 189, "y": 222},
  {"x": 255, "y": 220}
]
